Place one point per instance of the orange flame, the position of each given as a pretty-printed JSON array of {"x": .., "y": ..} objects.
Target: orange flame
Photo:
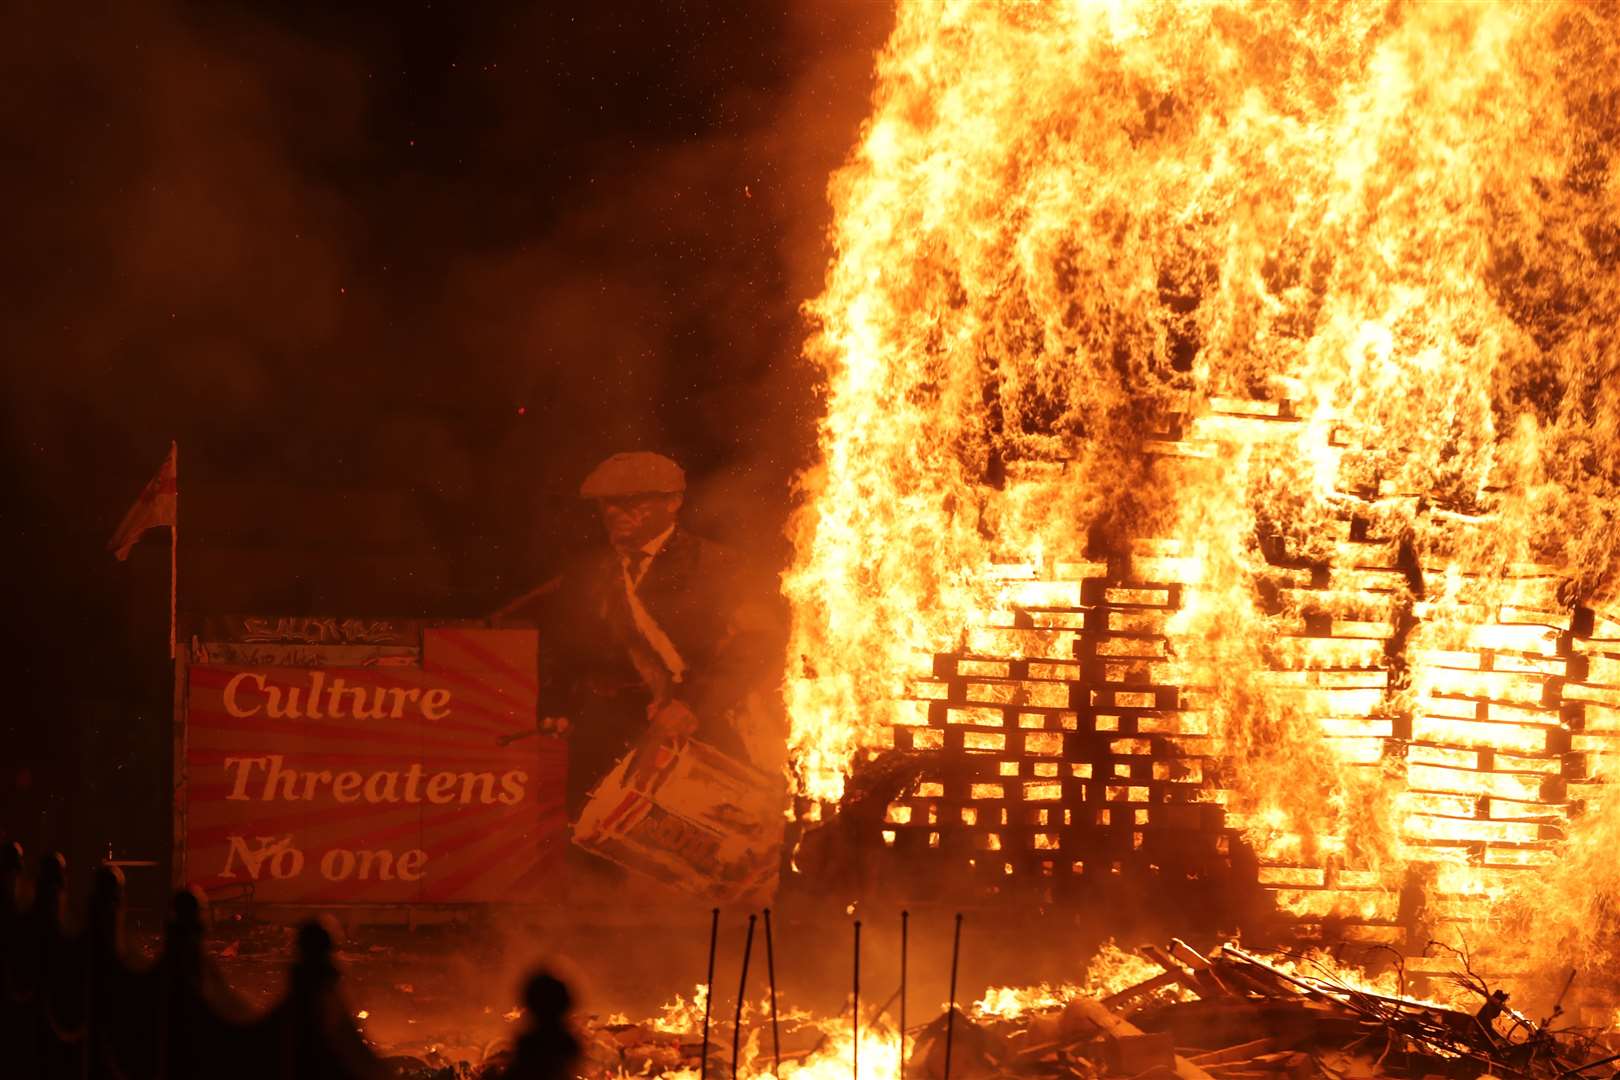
[
  {"x": 1110, "y": 971},
  {"x": 1308, "y": 310}
]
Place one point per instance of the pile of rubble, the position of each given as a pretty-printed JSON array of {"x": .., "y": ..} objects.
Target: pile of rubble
[
  {"x": 1235, "y": 1016},
  {"x": 1230, "y": 1015}
]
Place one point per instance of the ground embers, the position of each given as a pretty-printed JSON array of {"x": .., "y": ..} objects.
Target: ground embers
[
  {"x": 1241, "y": 1017},
  {"x": 1230, "y": 1015}
]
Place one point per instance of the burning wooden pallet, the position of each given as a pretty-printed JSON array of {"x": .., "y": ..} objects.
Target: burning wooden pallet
[
  {"x": 1064, "y": 760},
  {"x": 1073, "y": 766}
]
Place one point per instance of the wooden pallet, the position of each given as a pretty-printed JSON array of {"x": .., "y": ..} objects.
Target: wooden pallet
[{"x": 1065, "y": 755}]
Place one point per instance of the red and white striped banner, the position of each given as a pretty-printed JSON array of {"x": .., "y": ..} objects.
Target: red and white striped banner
[{"x": 377, "y": 784}]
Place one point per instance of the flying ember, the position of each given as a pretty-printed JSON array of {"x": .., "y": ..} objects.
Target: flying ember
[{"x": 1246, "y": 373}]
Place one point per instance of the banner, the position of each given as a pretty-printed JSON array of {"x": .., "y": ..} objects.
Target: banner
[{"x": 377, "y": 784}]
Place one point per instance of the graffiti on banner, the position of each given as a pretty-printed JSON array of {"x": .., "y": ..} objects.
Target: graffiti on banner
[
  {"x": 281, "y": 654},
  {"x": 312, "y": 630}
]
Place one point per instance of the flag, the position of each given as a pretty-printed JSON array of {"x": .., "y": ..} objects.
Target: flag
[{"x": 158, "y": 505}]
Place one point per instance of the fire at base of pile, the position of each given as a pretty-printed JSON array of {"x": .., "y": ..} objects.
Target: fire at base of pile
[
  {"x": 1170, "y": 1013},
  {"x": 1220, "y": 445},
  {"x": 1454, "y": 718}
]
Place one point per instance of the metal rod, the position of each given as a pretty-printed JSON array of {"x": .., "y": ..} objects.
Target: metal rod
[
  {"x": 742, "y": 989},
  {"x": 855, "y": 1054},
  {"x": 950, "y": 1017},
  {"x": 1589, "y": 1065},
  {"x": 708, "y": 993},
  {"x": 905, "y": 917},
  {"x": 770, "y": 973}
]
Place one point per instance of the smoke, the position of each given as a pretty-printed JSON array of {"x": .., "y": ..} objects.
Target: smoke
[
  {"x": 169, "y": 257},
  {"x": 343, "y": 252},
  {"x": 394, "y": 281}
]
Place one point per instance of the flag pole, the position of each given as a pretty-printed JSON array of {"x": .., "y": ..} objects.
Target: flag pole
[
  {"x": 179, "y": 780},
  {"x": 174, "y": 553}
]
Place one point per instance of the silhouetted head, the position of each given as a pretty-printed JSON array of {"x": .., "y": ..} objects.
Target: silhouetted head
[
  {"x": 109, "y": 881},
  {"x": 547, "y": 997},
  {"x": 52, "y": 873},
  {"x": 11, "y": 857},
  {"x": 188, "y": 912},
  {"x": 107, "y": 893},
  {"x": 317, "y": 943}
]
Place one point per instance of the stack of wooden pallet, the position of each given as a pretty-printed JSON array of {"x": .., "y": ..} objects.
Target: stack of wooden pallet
[{"x": 1064, "y": 761}]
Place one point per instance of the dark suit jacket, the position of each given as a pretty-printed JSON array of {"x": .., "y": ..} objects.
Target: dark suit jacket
[{"x": 697, "y": 592}]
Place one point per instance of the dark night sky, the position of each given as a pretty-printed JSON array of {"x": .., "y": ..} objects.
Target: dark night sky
[{"x": 394, "y": 276}]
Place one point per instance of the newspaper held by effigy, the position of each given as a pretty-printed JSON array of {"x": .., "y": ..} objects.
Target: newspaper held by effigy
[{"x": 701, "y": 822}]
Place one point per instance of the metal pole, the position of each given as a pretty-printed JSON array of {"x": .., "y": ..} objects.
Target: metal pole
[
  {"x": 855, "y": 1055},
  {"x": 708, "y": 993},
  {"x": 905, "y": 917},
  {"x": 770, "y": 972},
  {"x": 742, "y": 989},
  {"x": 950, "y": 1017},
  {"x": 174, "y": 552}
]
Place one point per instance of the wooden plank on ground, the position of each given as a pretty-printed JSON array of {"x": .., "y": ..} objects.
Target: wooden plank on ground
[{"x": 1100, "y": 1017}]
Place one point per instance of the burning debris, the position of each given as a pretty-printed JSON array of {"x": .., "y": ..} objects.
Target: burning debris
[
  {"x": 1237, "y": 1016},
  {"x": 1217, "y": 475},
  {"x": 1230, "y": 1015}
]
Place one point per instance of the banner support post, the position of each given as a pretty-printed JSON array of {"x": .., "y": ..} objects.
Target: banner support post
[
  {"x": 174, "y": 553},
  {"x": 178, "y": 791}
]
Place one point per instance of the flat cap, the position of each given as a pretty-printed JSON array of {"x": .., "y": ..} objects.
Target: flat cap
[{"x": 637, "y": 473}]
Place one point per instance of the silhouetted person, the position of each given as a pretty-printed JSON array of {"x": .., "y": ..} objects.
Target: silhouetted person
[
  {"x": 547, "y": 1049},
  {"x": 111, "y": 1005},
  {"x": 106, "y": 912},
  {"x": 11, "y": 864},
  {"x": 188, "y": 1045},
  {"x": 50, "y": 891},
  {"x": 203, "y": 1021},
  {"x": 35, "y": 943},
  {"x": 16, "y": 1034},
  {"x": 12, "y": 913},
  {"x": 316, "y": 1039}
]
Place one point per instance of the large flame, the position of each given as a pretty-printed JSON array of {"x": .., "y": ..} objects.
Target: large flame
[{"x": 1310, "y": 307}]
